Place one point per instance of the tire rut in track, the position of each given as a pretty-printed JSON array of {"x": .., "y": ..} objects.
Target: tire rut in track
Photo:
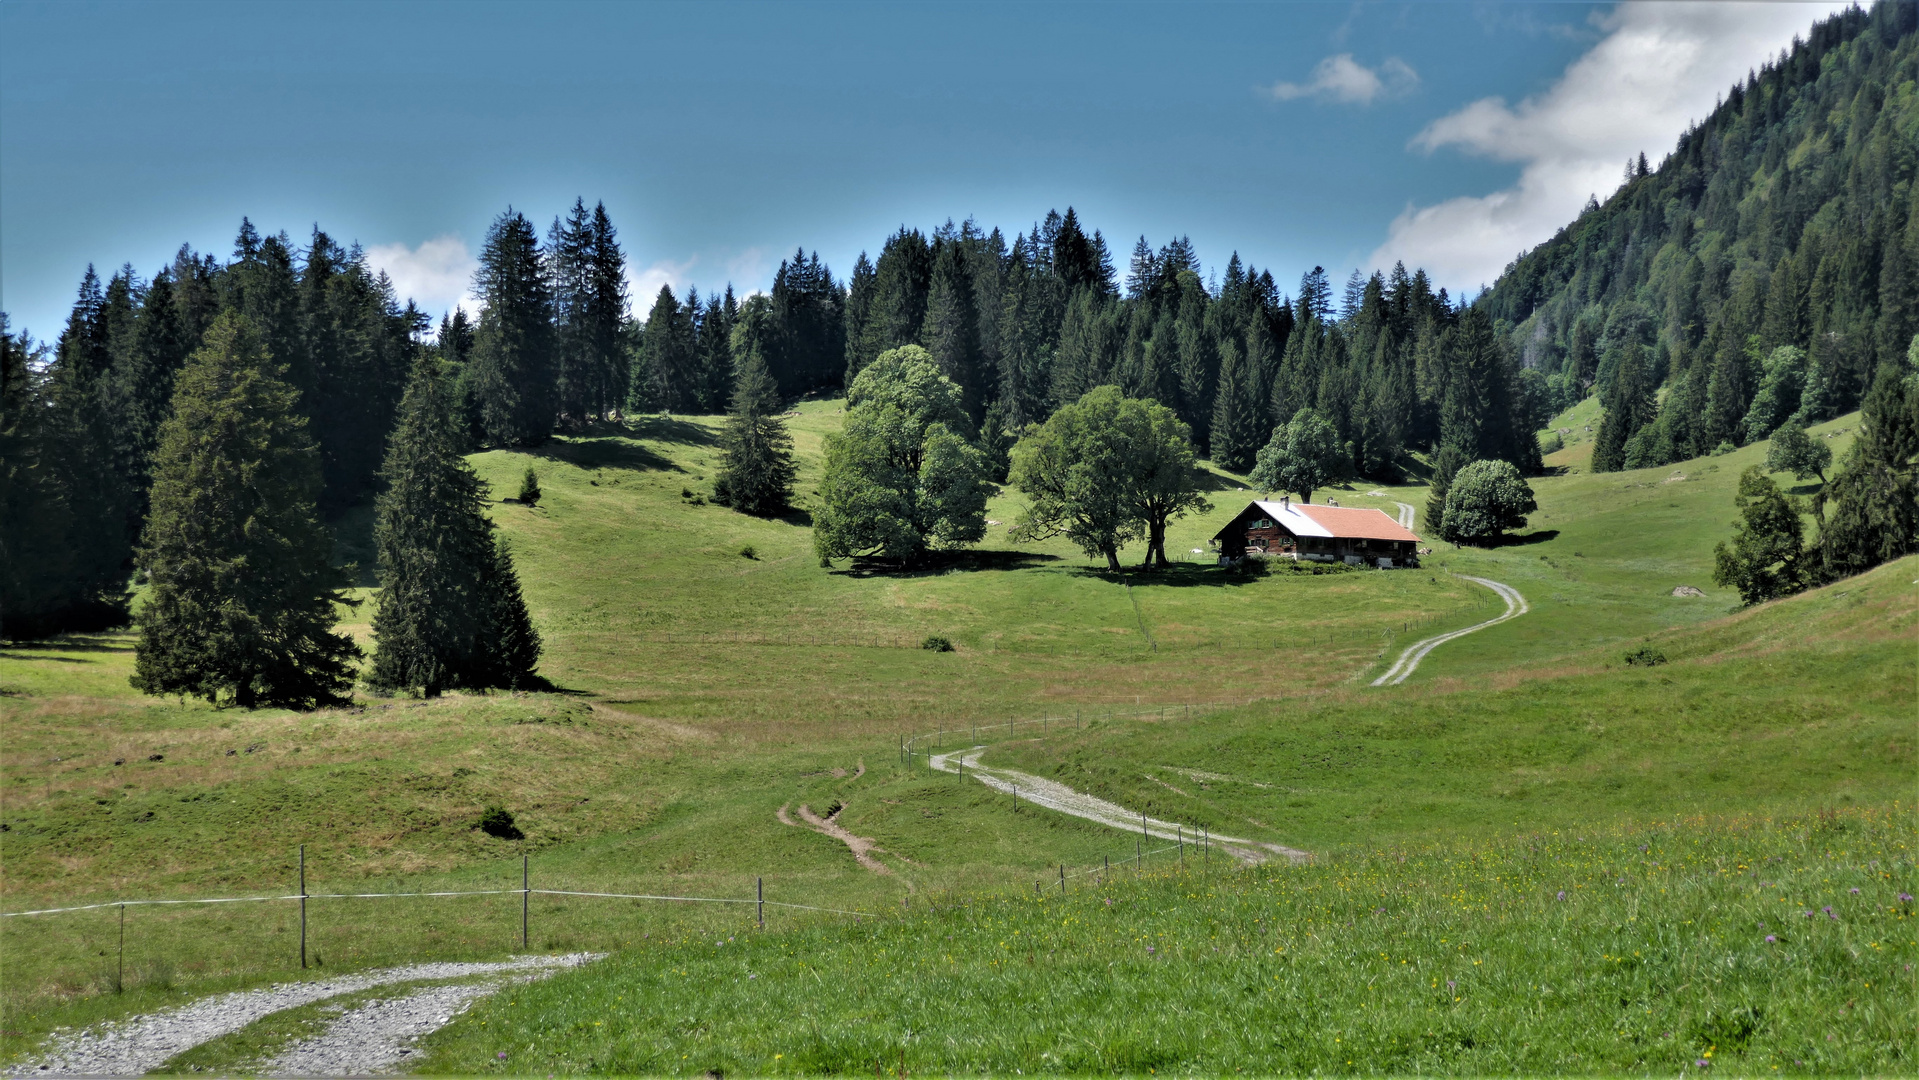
[{"x": 1057, "y": 797}]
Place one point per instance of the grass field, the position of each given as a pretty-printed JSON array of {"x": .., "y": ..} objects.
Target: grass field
[
  {"x": 1743, "y": 946},
  {"x": 702, "y": 690}
]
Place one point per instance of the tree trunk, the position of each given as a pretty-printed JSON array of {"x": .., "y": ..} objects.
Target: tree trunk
[{"x": 1112, "y": 560}]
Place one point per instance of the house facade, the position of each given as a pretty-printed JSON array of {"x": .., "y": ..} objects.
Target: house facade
[{"x": 1289, "y": 530}]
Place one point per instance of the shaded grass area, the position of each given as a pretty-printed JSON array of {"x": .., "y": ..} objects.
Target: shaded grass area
[{"x": 1748, "y": 943}]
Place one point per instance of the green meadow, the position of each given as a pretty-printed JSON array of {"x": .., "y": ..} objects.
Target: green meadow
[{"x": 711, "y": 678}]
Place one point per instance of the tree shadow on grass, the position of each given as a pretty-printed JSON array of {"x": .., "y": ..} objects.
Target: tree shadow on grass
[
  {"x": 1538, "y": 536},
  {"x": 662, "y": 429},
  {"x": 1189, "y": 575},
  {"x": 604, "y": 452},
  {"x": 939, "y": 562},
  {"x": 55, "y": 659},
  {"x": 70, "y": 643}
]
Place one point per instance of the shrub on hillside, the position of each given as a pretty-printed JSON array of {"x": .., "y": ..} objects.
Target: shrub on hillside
[
  {"x": 1645, "y": 656},
  {"x": 530, "y": 487},
  {"x": 936, "y": 643}
]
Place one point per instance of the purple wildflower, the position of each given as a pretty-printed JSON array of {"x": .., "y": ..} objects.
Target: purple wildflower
[
  {"x": 1149, "y": 948},
  {"x": 1828, "y": 910},
  {"x": 1562, "y": 894},
  {"x": 1808, "y": 914},
  {"x": 1855, "y": 891},
  {"x": 1702, "y": 1063},
  {"x": 501, "y": 1055},
  {"x": 1451, "y": 985},
  {"x": 1770, "y": 939},
  {"x": 1905, "y": 898}
]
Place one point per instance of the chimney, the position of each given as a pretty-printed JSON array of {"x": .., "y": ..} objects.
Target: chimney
[{"x": 1286, "y": 501}]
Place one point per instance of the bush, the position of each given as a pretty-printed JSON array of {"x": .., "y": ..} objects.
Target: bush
[
  {"x": 530, "y": 487},
  {"x": 1645, "y": 656},
  {"x": 498, "y": 821},
  {"x": 749, "y": 552},
  {"x": 937, "y": 643}
]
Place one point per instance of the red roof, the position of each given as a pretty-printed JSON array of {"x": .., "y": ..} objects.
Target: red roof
[{"x": 1355, "y": 523}]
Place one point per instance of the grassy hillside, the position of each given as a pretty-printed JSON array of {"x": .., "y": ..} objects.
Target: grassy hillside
[{"x": 703, "y": 692}]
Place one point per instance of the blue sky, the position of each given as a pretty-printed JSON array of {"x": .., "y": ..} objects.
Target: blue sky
[{"x": 722, "y": 136}]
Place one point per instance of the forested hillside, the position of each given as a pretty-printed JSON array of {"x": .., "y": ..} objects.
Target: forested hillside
[{"x": 1761, "y": 274}]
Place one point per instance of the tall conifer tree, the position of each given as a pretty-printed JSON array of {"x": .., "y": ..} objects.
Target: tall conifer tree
[
  {"x": 513, "y": 348},
  {"x": 243, "y": 590},
  {"x": 756, "y": 470},
  {"x": 450, "y": 609}
]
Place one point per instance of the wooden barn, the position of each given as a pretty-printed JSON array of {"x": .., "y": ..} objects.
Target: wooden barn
[{"x": 1290, "y": 530}]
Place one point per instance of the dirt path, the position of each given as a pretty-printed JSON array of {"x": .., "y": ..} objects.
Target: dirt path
[
  {"x": 1405, "y": 515},
  {"x": 861, "y": 846},
  {"x": 1058, "y": 797},
  {"x": 1409, "y": 660},
  {"x": 133, "y": 1046}
]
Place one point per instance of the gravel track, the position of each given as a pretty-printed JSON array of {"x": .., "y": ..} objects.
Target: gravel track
[
  {"x": 133, "y": 1046},
  {"x": 1409, "y": 660},
  {"x": 1405, "y": 515},
  {"x": 1058, "y": 797},
  {"x": 375, "y": 1038}
]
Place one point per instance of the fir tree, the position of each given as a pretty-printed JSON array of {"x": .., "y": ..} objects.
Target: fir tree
[
  {"x": 951, "y": 330},
  {"x": 1629, "y": 406},
  {"x": 756, "y": 466},
  {"x": 513, "y": 348},
  {"x": 1874, "y": 496},
  {"x": 1236, "y": 417},
  {"x": 450, "y": 612},
  {"x": 243, "y": 591}
]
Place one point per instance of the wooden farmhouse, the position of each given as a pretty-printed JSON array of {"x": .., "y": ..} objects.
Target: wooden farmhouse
[{"x": 1289, "y": 530}]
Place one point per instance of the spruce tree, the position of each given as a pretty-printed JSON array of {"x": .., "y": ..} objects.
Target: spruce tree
[
  {"x": 513, "y": 348},
  {"x": 756, "y": 469},
  {"x": 951, "y": 330},
  {"x": 243, "y": 590},
  {"x": 1629, "y": 406},
  {"x": 450, "y": 611},
  {"x": 1235, "y": 437}
]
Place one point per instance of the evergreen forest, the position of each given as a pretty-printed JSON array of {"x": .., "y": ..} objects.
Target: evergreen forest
[{"x": 1758, "y": 278}]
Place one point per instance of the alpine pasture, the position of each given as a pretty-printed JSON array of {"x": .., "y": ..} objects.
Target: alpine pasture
[{"x": 711, "y": 679}]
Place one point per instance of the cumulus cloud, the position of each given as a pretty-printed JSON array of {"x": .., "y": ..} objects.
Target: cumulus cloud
[
  {"x": 1341, "y": 78},
  {"x": 643, "y": 286},
  {"x": 437, "y": 275},
  {"x": 1657, "y": 68}
]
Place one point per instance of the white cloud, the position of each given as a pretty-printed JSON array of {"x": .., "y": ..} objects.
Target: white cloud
[
  {"x": 437, "y": 275},
  {"x": 1341, "y": 78},
  {"x": 1658, "y": 67},
  {"x": 643, "y": 286}
]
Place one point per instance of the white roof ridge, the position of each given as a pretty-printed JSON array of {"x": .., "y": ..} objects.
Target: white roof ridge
[{"x": 1296, "y": 523}]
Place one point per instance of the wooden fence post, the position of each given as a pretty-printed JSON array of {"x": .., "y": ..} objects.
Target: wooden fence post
[
  {"x": 303, "y": 907},
  {"x": 526, "y": 898},
  {"x": 759, "y": 891}
]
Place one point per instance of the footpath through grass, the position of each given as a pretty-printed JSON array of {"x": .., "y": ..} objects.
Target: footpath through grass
[{"x": 1744, "y": 945}]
